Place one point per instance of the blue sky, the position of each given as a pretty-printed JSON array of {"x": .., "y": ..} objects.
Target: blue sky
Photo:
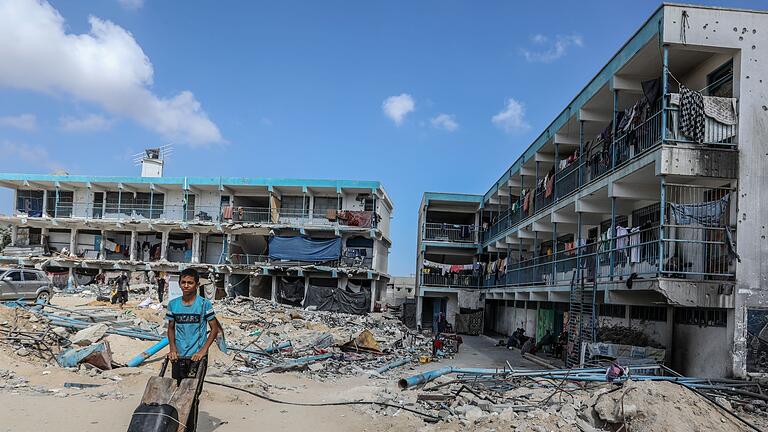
[{"x": 421, "y": 95}]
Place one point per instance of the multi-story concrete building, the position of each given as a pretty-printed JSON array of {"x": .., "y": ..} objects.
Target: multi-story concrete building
[
  {"x": 274, "y": 238},
  {"x": 640, "y": 204},
  {"x": 446, "y": 256}
]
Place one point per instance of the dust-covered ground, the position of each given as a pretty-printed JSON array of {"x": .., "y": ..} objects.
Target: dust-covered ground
[{"x": 37, "y": 395}]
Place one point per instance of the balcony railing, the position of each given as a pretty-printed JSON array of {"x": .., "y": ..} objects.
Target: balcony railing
[
  {"x": 449, "y": 232},
  {"x": 629, "y": 144},
  {"x": 692, "y": 252},
  {"x": 449, "y": 280},
  {"x": 251, "y": 259},
  {"x": 201, "y": 213}
]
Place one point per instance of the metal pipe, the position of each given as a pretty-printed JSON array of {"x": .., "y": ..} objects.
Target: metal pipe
[
  {"x": 428, "y": 376},
  {"x": 397, "y": 363},
  {"x": 149, "y": 352},
  {"x": 422, "y": 378}
]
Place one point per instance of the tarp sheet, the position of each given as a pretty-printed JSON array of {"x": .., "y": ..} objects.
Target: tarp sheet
[
  {"x": 290, "y": 290},
  {"x": 304, "y": 249},
  {"x": 338, "y": 300}
]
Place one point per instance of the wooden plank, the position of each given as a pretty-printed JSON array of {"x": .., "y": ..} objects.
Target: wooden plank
[
  {"x": 182, "y": 399},
  {"x": 158, "y": 390}
]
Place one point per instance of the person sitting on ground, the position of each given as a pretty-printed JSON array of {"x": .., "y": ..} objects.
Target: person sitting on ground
[
  {"x": 187, "y": 317},
  {"x": 547, "y": 341}
]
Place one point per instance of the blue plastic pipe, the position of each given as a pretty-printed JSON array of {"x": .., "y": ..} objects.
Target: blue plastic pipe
[
  {"x": 139, "y": 359},
  {"x": 392, "y": 365}
]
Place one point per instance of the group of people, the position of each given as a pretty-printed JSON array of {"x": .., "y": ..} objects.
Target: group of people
[
  {"x": 528, "y": 344},
  {"x": 121, "y": 284}
]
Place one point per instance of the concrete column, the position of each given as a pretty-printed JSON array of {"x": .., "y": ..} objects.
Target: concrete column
[
  {"x": 306, "y": 289},
  {"x": 43, "y": 235},
  {"x": 196, "y": 247},
  {"x": 164, "y": 246},
  {"x": 14, "y": 234},
  {"x": 132, "y": 246},
  {"x": 274, "y": 288},
  {"x": 102, "y": 247},
  {"x": 373, "y": 294},
  {"x": 45, "y": 202},
  {"x": 73, "y": 241},
  {"x": 419, "y": 307},
  {"x": 669, "y": 331}
]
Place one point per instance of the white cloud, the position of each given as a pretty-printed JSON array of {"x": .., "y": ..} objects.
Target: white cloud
[
  {"x": 131, "y": 5},
  {"x": 22, "y": 121},
  {"x": 89, "y": 123},
  {"x": 558, "y": 48},
  {"x": 512, "y": 119},
  {"x": 105, "y": 66},
  {"x": 446, "y": 122},
  {"x": 31, "y": 155},
  {"x": 397, "y": 107}
]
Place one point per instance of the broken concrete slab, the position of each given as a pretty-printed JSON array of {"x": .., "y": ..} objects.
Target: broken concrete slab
[{"x": 90, "y": 335}]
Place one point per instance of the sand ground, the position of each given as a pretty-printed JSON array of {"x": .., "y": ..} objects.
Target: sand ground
[{"x": 109, "y": 406}]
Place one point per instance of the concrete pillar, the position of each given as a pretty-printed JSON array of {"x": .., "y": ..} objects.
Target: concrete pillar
[
  {"x": 195, "y": 247},
  {"x": 164, "y": 246},
  {"x": 306, "y": 289},
  {"x": 71, "y": 278},
  {"x": 374, "y": 289},
  {"x": 102, "y": 247},
  {"x": 669, "y": 331},
  {"x": 419, "y": 307},
  {"x": 14, "y": 234},
  {"x": 45, "y": 202},
  {"x": 73, "y": 241},
  {"x": 132, "y": 246},
  {"x": 274, "y": 288}
]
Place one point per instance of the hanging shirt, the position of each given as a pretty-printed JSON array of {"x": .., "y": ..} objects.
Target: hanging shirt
[
  {"x": 191, "y": 323},
  {"x": 621, "y": 237}
]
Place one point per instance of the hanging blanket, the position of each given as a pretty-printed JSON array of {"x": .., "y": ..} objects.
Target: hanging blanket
[
  {"x": 692, "y": 114},
  {"x": 720, "y": 109},
  {"x": 338, "y": 300}
]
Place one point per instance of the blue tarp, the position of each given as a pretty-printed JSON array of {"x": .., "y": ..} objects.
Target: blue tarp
[{"x": 304, "y": 249}]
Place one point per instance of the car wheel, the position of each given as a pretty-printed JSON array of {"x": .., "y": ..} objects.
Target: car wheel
[{"x": 43, "y": 297}]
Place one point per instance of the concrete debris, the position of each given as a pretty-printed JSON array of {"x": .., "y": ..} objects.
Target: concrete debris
[
  {"x": 97, "y": 340},
  {"x": 349, "y": 344},
  {"x": 89, "y": 335}
]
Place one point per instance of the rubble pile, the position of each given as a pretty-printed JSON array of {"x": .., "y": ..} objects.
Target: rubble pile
[
  {"x": 623, "y": 335},
  {"x": 269, "y": 337},
  {"x": 535, "y": 404}
]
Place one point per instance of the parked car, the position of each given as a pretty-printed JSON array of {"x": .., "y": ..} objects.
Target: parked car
[{"x": 25, "y": 284}]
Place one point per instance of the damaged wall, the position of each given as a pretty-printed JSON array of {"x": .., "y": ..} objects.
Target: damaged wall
[{"x": 745, "y": 33}]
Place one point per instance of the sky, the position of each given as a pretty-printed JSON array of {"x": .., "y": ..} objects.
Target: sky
[{"x": 432, "y": 95}]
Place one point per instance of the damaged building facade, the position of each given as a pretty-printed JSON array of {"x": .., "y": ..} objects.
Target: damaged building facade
[
  {"x": 639, "y": 205},
  {"x": 322, "y": 243}
]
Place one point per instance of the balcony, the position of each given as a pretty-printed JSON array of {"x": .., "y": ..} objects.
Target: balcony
[
  {"x": 445, "y": 232},
  {"x": 265, "y": 260},
  {"x": 200, "y": 214},
  {"x": 610, "y": 152},
  {"x": 689, "y": 251},
  {"x": 450, "y": 280}
]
